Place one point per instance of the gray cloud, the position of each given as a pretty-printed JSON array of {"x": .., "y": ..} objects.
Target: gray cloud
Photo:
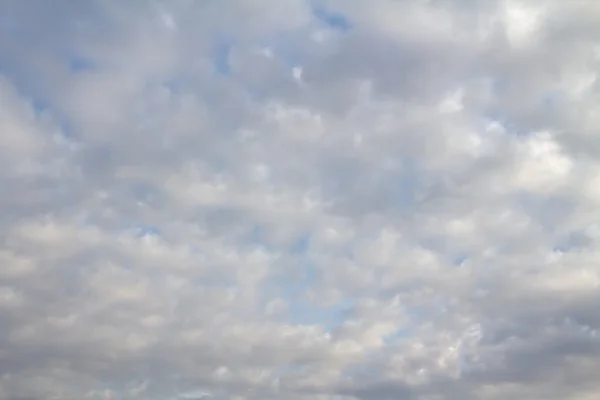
[{"x": 403, "y": 208}]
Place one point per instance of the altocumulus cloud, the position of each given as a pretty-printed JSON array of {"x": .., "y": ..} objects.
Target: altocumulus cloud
[{"x": 295, "y": 199}]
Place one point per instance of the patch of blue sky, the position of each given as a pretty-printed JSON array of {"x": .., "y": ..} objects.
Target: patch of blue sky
[
  {"x": 196, "y": 249},
  {"x": 303, "y": 312},
  {"x": 8, "y": 24},
  {"x": 563, "y": 247},
  {"x": 257, "y": 237},
  {"x": 143, "y": 191},
  {"x": 498, "y": 85},
  {"x": 570, "y": 241},
  {"x": 463, "y": 364},
  {"x": 402, "y": 333},
  {"x": 68, "y": 132},
  {"x": 508, "y": 123},
  {"x": 415, "y": 314},
  {"x": 550, "y": 210},
  {"x": 301, "y": 245},
  {"x": 195, "y": 394},
  {"x": 365, "y": 369},
  {"x": 289, "y": 56},
  {"x": 289, "y": 47},
  {"x": 439, "y": 306},
  {"x": 148, "y": 231},
  {"x": 174, "y": 85},
  {"x": 221, "y": 51},
  {"x": 460, "y": 259},
  {"x": 142, "y": 230},
  {"x": 297, "y": 285},
  {"x": 252, "y": 94},
  {"x": 80, "y": 64},
  {"x": 406, "y": 185},
  {"x": 291, "y": 368},
  {"x": 39, "y": 106},
  {"x": 495, "y": 115},
  {"x": 331, "y": 19},
  {"x": 552, "y": 98}
]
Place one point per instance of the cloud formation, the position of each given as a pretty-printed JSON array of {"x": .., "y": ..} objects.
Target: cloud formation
[{"x": 330, "y": 199}]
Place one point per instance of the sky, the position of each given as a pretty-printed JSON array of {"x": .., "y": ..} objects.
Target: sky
[{"x": 299, "y": 199}]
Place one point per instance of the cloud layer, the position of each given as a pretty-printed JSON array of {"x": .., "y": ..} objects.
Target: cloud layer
[{"x": 286, "y": 199}]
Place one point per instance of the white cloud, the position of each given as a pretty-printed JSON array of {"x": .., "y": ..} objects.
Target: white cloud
[{"x": 403, "y": 208}]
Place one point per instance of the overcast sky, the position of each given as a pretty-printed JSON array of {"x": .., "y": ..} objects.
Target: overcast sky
[{"x": 296, "y": 199}]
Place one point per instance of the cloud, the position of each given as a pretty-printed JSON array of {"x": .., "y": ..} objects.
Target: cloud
[{"x": 299, "y": 199}]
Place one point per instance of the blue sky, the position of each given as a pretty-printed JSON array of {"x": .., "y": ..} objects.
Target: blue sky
[
  {"x": 332, "y": 19},
  {"x": 299, "y": 199}
]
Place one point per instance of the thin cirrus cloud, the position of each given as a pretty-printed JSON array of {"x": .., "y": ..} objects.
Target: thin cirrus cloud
[{"x": 299, "y": 199}]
